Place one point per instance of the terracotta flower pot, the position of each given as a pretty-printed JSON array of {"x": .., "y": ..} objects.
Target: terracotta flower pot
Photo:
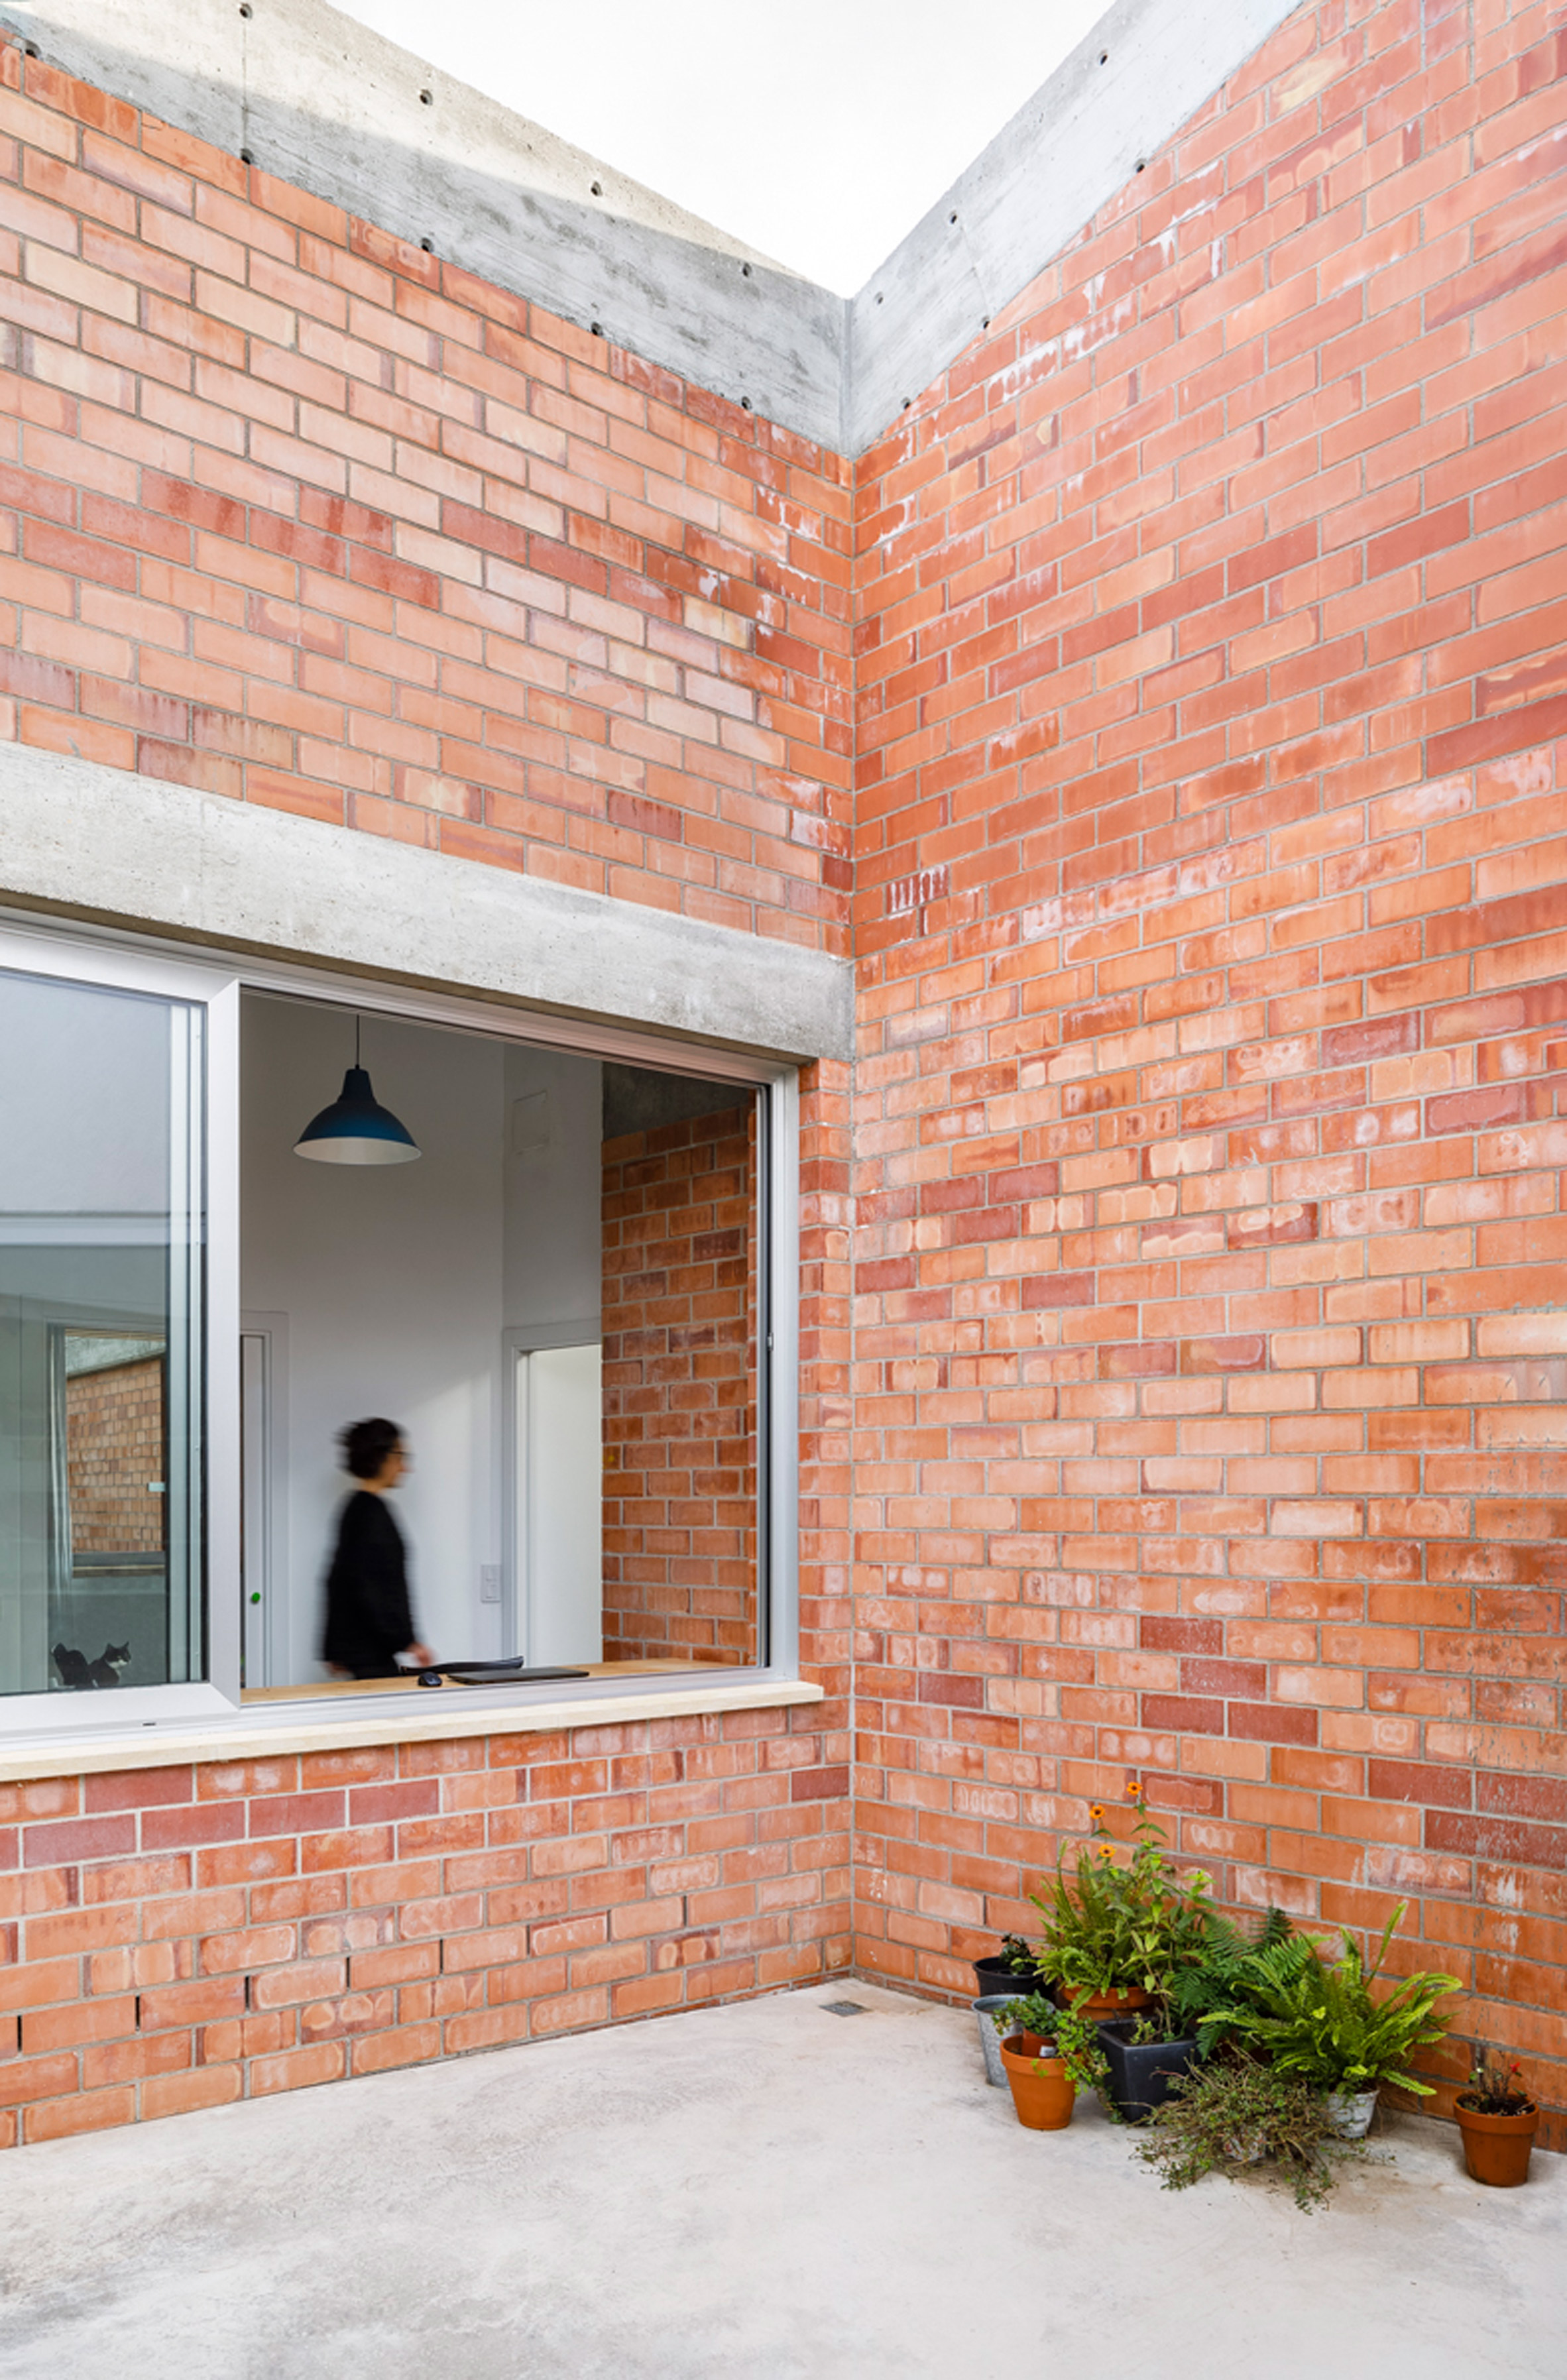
[
  {"x": 1496, "y": 2148},
  {"x": 1100, "y": 2006},
  {"x": 1042, "y": 2091}
]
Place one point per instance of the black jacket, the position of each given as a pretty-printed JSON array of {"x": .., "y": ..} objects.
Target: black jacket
[{"x": 367, "y": 1614}]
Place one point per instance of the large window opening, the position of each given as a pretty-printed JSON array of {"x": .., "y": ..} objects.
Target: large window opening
[
  {"x": 549, "y": 1262},
  {"x": 559, "y": 1302}
]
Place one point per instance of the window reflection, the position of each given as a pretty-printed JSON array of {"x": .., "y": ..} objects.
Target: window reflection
[{"x": 100, "y": 1279}]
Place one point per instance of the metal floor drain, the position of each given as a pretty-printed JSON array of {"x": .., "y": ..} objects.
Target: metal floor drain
[{"x": 845, "y": 2008}]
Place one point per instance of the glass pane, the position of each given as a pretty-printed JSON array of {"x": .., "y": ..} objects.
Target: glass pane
[
  {"x": 681, "y": 1378},
  {"x": 100, "y": 1308}
]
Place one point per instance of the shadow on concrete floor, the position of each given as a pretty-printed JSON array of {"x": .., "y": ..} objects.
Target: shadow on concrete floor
[{"x": 764, "y": 2191}]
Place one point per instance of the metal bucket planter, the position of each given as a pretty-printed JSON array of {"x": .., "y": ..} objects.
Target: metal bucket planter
[
  {"x": 1350, "y": 2113},
  {"x": 989, "y": 2039}
]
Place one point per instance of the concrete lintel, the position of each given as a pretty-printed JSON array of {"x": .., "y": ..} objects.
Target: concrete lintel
[
  {"x": 1060, "y": 159},
  {"x": 319, "y": 101},
  {"x": 110, "y": 846}
]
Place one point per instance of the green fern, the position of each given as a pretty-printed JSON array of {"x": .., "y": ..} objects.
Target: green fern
[{"x": 1319, "y": 2018}]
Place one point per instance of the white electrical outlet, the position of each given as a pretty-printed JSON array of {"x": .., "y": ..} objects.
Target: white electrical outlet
[{"x": 490, "y": 1582}]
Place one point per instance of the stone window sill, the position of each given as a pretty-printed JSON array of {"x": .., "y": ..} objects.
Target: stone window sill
[{"x": 339, "y": 1723}]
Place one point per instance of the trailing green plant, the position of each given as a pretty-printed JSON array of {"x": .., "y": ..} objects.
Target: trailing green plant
[
  {"x": 1318, "y": 2017},
  {"x": 1127, "y": 1924},
  {"x": 1236, "y": 2114},
  {"x": 1494, "y": 2089},
  {"x": 1077, "y": 2045},
  {"x": 1062, "y": 2034},
  {"x": 1031, "y": 2012}
]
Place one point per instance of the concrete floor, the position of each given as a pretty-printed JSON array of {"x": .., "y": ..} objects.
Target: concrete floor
[{"x": 759, "y": 2193}]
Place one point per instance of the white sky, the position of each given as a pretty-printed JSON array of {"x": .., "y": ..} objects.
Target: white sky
[{"x": 817, "y": 131}]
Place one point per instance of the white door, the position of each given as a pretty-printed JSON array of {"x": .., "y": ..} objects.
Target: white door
[{"x": 559, "y": 1503}]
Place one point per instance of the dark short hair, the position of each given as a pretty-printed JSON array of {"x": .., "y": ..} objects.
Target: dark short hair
[{"x": 367, "y": 1444}]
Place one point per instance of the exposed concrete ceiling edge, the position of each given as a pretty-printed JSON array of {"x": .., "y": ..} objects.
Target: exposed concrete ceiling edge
[
  {"x": 320, "y": 102},
  {"x": 1121, "y": 96}
]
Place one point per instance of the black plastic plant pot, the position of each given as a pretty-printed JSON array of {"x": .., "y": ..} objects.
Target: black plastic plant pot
[
  {"x": 1141, "y": 2072},
  {"x": 992, "y": 1975}
]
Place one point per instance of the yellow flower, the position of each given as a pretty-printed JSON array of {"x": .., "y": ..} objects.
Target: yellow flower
[{"x": 1096, "y": 1812}]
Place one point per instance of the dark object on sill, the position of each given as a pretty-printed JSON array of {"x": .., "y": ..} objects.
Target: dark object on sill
[
  {"x": 993, "y": 1975},
  {"x": 845, "y": 2008},
  {"x": 1141, "y": 2072},
  {"x": 492, "y": 1673}
]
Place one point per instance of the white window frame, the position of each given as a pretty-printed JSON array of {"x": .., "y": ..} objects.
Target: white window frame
[{"x": 216, "y": 981}]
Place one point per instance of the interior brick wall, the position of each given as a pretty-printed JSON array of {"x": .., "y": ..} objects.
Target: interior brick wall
[
  {"x": 298, "y": 512},
  {"x": 1211, "y": 905},
  {"x": 114, "y": 1452},
  {"x": 680, "y": 1390}
]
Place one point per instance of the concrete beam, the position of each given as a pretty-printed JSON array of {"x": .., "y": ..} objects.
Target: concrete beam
[
  {"x": 337, "y": 110},
  {"x": 1147, "y": 65},
  {"x": 319, "y": 101},
  {"x": 111, "y": 847}
]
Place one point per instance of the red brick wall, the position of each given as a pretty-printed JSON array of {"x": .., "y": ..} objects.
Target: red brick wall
[
  {"x": 680, "y": 1390},
  {"x": 179, "y": 1938},
  {"x": 1209, "y": 1357},
  {"x": 1191, "y": 1407},
  {"x": 114, "y": 1452},
  {"x": 298, "y": 512}
]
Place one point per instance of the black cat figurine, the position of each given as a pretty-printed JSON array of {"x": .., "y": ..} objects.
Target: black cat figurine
[{"x": 76, "y": 1670}]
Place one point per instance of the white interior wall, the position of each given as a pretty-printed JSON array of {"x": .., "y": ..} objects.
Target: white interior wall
[
  {"x": 399, "y": 1283},
  {"x": 390, "y": 1276},
  {"x": 553, "y": 1188}
]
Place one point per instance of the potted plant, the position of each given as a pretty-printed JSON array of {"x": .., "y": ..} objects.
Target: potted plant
[
  {"x": 1238, "y": 2113},
  {"x": 1146, "y": 2052},
  {"x": 1013, "y": 1968},
  {"x": 1043, "y": 2091},
  {"x": 1499, "y": 2121},
  {"x": 1318, "y": 2017},
  {"x": 1116, "y": 1930}
]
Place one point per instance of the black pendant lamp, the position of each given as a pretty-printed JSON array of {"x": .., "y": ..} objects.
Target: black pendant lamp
[{"x": 355, "y": 1130}]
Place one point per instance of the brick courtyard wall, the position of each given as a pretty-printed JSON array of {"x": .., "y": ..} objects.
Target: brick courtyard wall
[
  {"x": 295, "y": 512},
  {"x": 114, "y": 1452},
  {"x": 1182, "y": 1262},
  {"x": 181, "y": 1937},
  {"x": 680, "y": 1390},
  {"x": 1211, "y": 904}
]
